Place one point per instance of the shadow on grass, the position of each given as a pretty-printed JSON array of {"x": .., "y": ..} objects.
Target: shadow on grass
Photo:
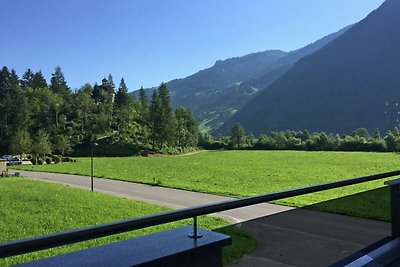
[
  {"x": 313, "y": 235},
  {"x": 373, "y": 204}
]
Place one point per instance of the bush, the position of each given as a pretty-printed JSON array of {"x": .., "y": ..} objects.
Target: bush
[
  {"x": 34, "y": 161},
  {"x": 40, "y": 161},
  {"x": 56, "y": 159},
  {"x": 48, "y": 160}
]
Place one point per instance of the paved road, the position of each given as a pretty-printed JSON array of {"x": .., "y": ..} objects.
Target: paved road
[
  {"x": 168, "y": 197},
  {"x": 287, "y": 236}
]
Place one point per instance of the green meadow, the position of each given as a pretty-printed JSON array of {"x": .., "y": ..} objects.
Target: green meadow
[
  {"x": 247, "y": 173},
  {"x": 32, "y": 208}
]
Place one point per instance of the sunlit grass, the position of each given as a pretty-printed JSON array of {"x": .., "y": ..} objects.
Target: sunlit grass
[
  {"x": 243, "y": 173},
  {"x": 32, "y": 208}
]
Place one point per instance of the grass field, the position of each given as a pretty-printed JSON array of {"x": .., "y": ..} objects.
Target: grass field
[
  {"x": 246, "y": 173},
  {"x": 31, "y": 208}
]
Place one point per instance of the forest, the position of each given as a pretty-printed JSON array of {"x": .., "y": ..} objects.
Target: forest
[{"x": 43, "y": 118}]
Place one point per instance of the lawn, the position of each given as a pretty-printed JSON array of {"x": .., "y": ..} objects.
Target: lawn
[
  {"x": 246, "y": 173},
  {"x": 32, "y": 208}
]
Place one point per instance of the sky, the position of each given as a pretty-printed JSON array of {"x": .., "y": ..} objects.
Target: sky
[{"x": 152, "y": 41}]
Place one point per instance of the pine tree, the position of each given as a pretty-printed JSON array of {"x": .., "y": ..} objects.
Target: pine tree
[
  {"x": 167, "y": 118},
  {"x": 122, "y": 98},
  {"x": 39, "y": 81},
  {"x": 14, "y": 111},
  {"x": 143, "y": 107},
  {"x": 57, "y": 83},
  {"x": 155, "y": 118},
  {"x": 27, "y": 78}
]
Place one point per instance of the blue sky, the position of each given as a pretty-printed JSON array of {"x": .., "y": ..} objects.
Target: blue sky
[{"x": 151, "y": 41}]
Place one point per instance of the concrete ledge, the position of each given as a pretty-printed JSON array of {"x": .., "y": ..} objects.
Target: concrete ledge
[{"x": 169, "y": 248}]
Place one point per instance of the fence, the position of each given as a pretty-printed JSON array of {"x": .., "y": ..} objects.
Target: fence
[{"x": 18, "y": 247}]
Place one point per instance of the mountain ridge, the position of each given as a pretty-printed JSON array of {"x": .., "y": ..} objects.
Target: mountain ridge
[
  {"x": 216, "y": 93},
  {"x": 339, "y": 88}
]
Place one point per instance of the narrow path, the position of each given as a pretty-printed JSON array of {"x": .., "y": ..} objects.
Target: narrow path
[{"x": 173, "y": 198}]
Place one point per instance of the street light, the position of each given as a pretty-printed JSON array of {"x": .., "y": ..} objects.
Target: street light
[{"x": 93, "y": 144}]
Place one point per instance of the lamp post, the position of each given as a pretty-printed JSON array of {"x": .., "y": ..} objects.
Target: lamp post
[{"x": 91, "y": 163}]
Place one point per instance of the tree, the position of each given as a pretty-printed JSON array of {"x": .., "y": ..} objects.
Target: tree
[
  {"x": 392, "y": 144},
  {"x": 39, "y": 81},
  {"x": 63, "y": 145},
  {"x": 41, "y": 145},
  {"x": 237, "y": 136},
  {"x": 187, "y": 132},
  {"x": 360, "y": 132},
  {"x": 27, "y": 78},
  {"x": 143, "y": 107},
  {"x": 122, "y": 97},
  {"x": 20, "y": 143},
  {"x": 167, "y": 124},
  {"x": 376, "y": 135},
  {"x": 155, "y": 119},
  {"x": 14, "y": 111},
  {"x": 33, "y": 80},
  {"x": 57, "y": 83},
  {"x": 98, "y": 94}
]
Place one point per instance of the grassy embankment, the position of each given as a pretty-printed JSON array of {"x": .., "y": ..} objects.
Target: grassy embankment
[
  {"x": 246, "y": 173},
  {"x": 32, "y": 208}
]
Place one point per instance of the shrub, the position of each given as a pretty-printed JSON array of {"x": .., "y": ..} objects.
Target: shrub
[
  {"x": 56, "y": 159},
  {"x": 48, "y": 160},
  {"x": 34, "y": 161},
  {"x": 40, "y": 161}
]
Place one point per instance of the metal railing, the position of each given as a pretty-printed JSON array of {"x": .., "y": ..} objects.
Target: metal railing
[{"x": 18, "y": 247}]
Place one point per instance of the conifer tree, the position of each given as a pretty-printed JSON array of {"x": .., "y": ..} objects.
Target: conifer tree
[
  {"x": 167, "y": 119},
  {"x": 57, "y": 83},
  {"x": 122, "y": 97},
  {"x": 39, "y": 81},
  {"x": 155, "y": 119}
]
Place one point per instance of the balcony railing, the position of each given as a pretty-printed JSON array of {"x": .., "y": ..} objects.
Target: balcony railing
[{"x": 18, "y": 247}]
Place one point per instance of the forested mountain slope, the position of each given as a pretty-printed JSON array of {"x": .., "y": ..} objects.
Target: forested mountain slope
[
  {"x": 216, "y": 93},
  {"x": 343, "y": 86}
]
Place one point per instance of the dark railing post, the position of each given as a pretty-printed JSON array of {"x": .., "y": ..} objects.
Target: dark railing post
[
  {"x": 395, "y": 210},
  {"x": 195, "y": 233},
  {"x": 395, "y": 206}
]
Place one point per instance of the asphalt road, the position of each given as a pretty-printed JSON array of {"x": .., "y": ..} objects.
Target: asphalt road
[{"x": 168, "y": 197}]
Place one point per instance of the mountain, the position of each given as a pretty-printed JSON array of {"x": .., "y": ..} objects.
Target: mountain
[
  {"x": 216, "y": 93},
  {"x": 345, "y": 85},
  {"x": 211, "y": 93}
]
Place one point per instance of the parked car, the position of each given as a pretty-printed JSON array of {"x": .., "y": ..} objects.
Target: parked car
[{"x": 13, "y": 161}]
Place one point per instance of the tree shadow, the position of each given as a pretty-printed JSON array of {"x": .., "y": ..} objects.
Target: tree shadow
[{"x": 310, "y": 236}]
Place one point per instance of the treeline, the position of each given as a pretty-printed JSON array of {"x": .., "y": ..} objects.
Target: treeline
[
  {"x": 41, "y": 118},
  {"x": 359, "y": 140}
]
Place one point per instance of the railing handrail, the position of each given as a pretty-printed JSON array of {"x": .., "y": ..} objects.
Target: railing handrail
[{"x": 23, "y": 246}]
